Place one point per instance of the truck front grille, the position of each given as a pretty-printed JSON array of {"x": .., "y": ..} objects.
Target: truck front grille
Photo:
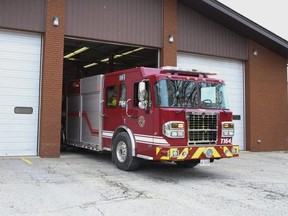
[{"x": 202, "y": 128}]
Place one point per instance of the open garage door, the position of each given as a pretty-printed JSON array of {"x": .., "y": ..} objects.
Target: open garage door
[
  {"x": 84, "y": 58},
  {"x": 232, "y": 71},
  {"x": 20, "y": 55}
]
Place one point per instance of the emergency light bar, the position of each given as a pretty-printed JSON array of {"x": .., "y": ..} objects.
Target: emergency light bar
[{"x": 185, "y": 71}]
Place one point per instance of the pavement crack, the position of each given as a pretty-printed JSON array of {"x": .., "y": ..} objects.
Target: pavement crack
[
  {"x": 50, "y": 170},
  {"x": 124, "y": 191}
]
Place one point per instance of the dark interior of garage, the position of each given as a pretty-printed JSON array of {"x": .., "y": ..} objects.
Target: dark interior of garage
[{"x": 84, "y": 58}]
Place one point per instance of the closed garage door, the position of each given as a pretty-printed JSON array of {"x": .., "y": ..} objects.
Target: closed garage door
[
  {"x": 19, "y": 92},
  {"x": 232, "y": 72}
]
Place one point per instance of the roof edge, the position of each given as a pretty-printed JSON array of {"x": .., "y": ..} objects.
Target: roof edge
[
  {"x": 223, "y": 15},
  {"x": 245, "y": 21}
]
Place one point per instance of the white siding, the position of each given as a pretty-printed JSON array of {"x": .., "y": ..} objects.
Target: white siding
[
  {"x": 20, "y": 55},
  {"x": 232, "y": 72}
]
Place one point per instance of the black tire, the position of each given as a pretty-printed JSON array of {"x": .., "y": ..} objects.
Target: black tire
[
  {"x": 122, "y": 153},
  {"x": 187, "y": 164},
  {"x": 63, "y": 146}
]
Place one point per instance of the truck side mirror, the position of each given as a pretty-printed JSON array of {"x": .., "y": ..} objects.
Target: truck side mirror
[{"x": 142, "y": 95}]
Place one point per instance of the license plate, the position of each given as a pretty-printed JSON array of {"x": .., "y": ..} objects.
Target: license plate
[{"x": 205, "y": 162}]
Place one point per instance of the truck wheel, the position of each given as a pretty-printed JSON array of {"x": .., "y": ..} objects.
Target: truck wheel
[
  {"x": 122, "y": 153},
  {"x": 63, "y": 146},
  {"x": 187, "y": 164}
]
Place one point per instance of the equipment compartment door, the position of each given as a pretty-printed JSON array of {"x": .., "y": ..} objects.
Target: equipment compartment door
[{"x": 91, "y": 119}]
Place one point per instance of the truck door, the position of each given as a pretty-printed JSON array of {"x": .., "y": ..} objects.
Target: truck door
[
  {"x": 140, "y": 120},
  {"x": 111, "y": 110}
]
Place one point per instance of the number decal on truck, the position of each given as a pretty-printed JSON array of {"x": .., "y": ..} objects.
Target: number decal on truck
[{"x": 226, "y": 140}]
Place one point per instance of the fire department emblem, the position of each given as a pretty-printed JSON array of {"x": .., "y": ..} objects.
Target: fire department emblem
[{"x": 141, "y": 121}]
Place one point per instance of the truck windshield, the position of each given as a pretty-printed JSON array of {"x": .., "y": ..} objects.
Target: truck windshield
[{"x": 190, "y": 94}]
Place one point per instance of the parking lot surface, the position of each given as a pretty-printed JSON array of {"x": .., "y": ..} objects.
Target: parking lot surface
[{"x": 87, "y": 183}]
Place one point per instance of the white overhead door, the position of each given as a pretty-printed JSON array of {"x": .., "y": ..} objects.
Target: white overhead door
[
  {"x": 232, "y": 71},
  {"x": 20, "y": 55}
]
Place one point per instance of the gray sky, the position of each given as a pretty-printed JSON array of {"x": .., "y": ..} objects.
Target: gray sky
[{"x": 272, "y": 15}]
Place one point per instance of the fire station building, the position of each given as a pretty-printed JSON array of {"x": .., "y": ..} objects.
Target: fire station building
[{"x": 45, "y": 43}]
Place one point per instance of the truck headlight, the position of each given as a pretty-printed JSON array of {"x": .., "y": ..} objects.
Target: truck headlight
[
  {"x": 174, "y": 129},
  {"x": 227, "y": 129},
  {"x": 234, "y": 151},
  {"x": 209, "y": 153}
]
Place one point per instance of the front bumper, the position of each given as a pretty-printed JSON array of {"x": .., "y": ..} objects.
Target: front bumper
[{"x": 196, "y": 152}]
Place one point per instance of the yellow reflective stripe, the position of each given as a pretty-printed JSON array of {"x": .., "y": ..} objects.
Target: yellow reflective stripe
[
  {"x": 215, "y": 153},
  {"x": 180, "y": 157},
  {"x": 198, "y": 152},
  {"x": 225, "y": 149},
  {"x": 171, "y": 151},
  {"x": 196, "y": 155},
  {"x": 158, "y": 150},
  {"x": 164, "y": 158},
  {"x": 236, "y": 147}
]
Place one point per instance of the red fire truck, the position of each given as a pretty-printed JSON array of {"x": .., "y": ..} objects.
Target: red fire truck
[{"x": 163, "y": 114}]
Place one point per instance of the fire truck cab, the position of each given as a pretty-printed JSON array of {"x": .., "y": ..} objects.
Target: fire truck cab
[{"x": 163, "y": 114}]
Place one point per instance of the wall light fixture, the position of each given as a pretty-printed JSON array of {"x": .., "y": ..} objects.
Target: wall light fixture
[
  {"x": 255, "y": 52},
  {"x": 55, "y": 21},
  {"x": 171, "y": 38}
]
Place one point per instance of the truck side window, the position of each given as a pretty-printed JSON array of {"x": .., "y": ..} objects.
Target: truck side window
[
  {"x": 111, "y": 97},
  {"x": 122, "y": 100},
  {"x": 148, "y": 96}
]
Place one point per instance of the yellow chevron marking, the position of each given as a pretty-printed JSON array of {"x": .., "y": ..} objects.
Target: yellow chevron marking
[
  {"x": 215, "y": 153},
  {"x": 180, "y": 154},
  {"x": 171, "y": 152},
  {"x": 225, "y": 149},
  {"x": 198, "y": 152},
  {"x": 237, "y": 147},
  {"x": 158, "y": 150},
  {"x": 166, "y": 157},
  {"x": 196, "y": 155}
]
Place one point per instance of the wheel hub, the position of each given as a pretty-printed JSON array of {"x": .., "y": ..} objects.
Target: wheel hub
[{"x": 121, "y": 151}]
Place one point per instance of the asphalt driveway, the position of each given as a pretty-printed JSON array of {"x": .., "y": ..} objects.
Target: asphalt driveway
[{"x": 87, "y": 183}]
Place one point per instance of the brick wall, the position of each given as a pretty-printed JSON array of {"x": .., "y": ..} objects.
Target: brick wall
[
  {"x": 266, "y": 100},
  {"x": 51, "y": 92},
  {"x": 169, "y": 50}
]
